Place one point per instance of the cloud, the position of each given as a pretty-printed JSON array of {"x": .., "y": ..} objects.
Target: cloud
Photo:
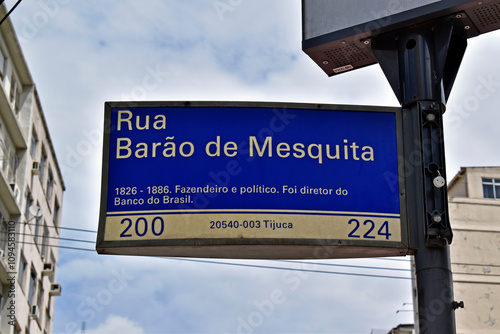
[
  {"x": 194, "y": 297},
  {"x": 115, "y": 324}
]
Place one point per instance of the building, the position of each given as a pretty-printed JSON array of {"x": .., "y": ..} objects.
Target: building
[
  {"x": 31, "y": 194},
  {"x": 474, "y": 206},
  {"x": 401, "y": 329}
]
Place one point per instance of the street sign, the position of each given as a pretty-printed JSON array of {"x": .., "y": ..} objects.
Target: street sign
[
  {"x": 337, "y": 34},
  {"x": 252, "y": 180}
]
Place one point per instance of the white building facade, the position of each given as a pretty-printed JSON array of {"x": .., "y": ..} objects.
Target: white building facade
[
  {"x": 474, "y": 206},
  {"x": 31, "y": 194}
]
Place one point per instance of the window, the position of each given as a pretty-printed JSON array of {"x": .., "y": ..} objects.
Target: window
[
  {"x": 14, "y": 93},
  {"x": 34, "y": 144},
  {"x": 57, "y": 210},
  {"x": 32, "y": 290},
  {"x": 491, "y": 188},
  {"x": 50, "y": 185},
  {"x": 45, "y": 241},
  {"x": 47, "y": 320},
  {"x": 2, "y": 63},
  {"x": 4, "y": 230},
  {"x": 5, "y": 156},
  {"x": 22, "y": 271},
  {"x": 43, "y": 159},
  {"x": 39, "y": 301},
  {"x": 29, "y": 203},
  {"x": 54, "y": 263},
  {"x": 13, "y": 163},
  {"x": 37, "y": 230},
  {"x": 1, "y": 304}
]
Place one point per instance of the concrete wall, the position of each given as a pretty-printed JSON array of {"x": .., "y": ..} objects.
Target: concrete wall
[{"x": 475, "y": 251}]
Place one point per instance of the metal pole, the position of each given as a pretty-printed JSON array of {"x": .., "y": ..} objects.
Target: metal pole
[{"x": 417, "y": 64}]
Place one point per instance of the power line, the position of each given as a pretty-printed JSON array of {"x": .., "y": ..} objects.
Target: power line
[
  {"x": 63, "y": 228},
  {"x": 10, "y": 11},
  {"x": 255, "y": 266},
  {"x": 238, "y": 264},
  {"x": 247, "y": 265},
  {"x": 59, "y": 238},
  {"x": 265, "y": 267},
  {"x": 375, "y": 258},
  {"x": 288, "y": 269},
  {"x": 284, "y": 261},
  {"x": 55, "y": 246},
  {"x": 343, "y": 265}
]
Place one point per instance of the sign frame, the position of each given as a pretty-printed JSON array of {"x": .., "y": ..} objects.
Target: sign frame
[{"x": 256, "y": 248}]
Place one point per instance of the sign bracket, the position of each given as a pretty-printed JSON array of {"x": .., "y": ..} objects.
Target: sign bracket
[
  {"x": 438, "y": 231},
  {"x": 448, "y": 42}
]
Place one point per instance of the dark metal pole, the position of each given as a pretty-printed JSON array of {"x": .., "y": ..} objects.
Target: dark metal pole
[{"x": 421, "y": 64}]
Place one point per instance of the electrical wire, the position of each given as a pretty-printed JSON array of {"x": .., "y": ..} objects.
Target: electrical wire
[
  {"x": 63, "y": 228},
  {"x": 259, "y": 266},
  {"x": 59, "y": 238},
  {"x": 233, "y": 264},
  {"x": 269, "y": 267},
  {"x": 375, "y": 258},
  {"x": 239, "y": 264},
  {"x": 342, "y": 265},
  {"x": 55, "y": 246},
  {"x": 243, "y": 264},
  {"x": 10, "y": 11},
  {"x": 288, "y": 269},
  {"x": 276, "y": 261},
  {"x": 284, "y": 261}
]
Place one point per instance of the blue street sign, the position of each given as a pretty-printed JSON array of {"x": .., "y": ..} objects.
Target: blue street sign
[{"x": 235, "y": 175}]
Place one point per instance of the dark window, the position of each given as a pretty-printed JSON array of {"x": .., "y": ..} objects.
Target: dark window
[
  {"x": 43, "y": 158},
  {"x": 57, "y": 210},
  {"x": 50, "y": 185},
  {"x": 29, "y": 202},
  {"x": 34, "y": 144},
  {"x": 45, "y": 241},
  {"x": 2, "y": 63},
  {"x": 4, "y": 233},
  {"x": 37, "y": 230},
  {"x": 491, "y": 188},
  {"x": 22, "y": 271},
  {"x": 32, "y": 288}
]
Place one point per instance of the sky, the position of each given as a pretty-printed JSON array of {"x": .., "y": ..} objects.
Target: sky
[{"x": 83, "y": 53}]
